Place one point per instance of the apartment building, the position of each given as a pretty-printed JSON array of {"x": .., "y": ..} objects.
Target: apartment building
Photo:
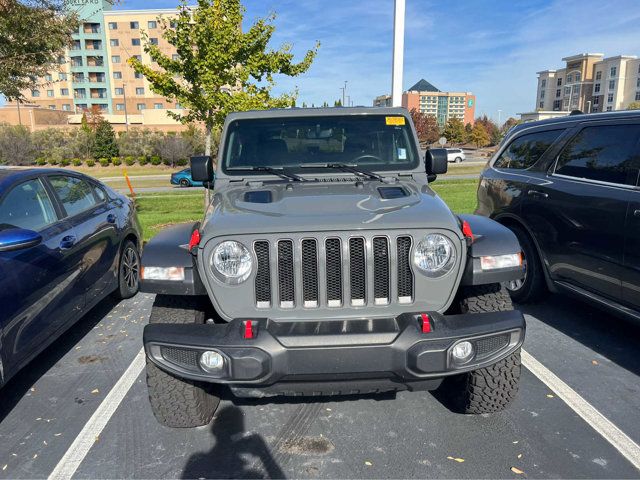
[
  {"x": 426, "y": 98},
  {"x": 94, "y": 72},
  {"x": 589, "y": 82}
]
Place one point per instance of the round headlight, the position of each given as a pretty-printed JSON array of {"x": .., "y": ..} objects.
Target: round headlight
[
  {"x": 232, "y": 262},
  {"x": 435, "y": 255}
]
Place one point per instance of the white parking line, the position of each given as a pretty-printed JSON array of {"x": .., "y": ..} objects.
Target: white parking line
[
  {"x": 612, "y": 434},
  {"x": 73, "y": 457}
]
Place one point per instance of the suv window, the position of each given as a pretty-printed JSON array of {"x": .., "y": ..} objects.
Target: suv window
[
  {"x": 605, "y": 153},
  {"x": 27, "y": 206},
  {"x": 75, "y": 194},
  {"x": 525, "y": 150}
]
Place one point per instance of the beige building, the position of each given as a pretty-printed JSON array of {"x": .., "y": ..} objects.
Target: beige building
[
  {"x": 94, "y": 73},
  {"x": 591, "y": 83}
]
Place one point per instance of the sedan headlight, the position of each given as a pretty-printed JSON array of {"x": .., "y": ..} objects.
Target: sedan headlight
[
  {"x": 231, "y": 262},
  {"x": 435, "y": 255}
]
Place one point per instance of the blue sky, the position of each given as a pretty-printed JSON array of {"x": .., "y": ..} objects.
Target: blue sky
[{"x": 492, "y": 48}]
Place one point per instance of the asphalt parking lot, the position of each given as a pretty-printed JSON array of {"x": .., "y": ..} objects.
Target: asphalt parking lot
[{"x": 81, "y": 409}]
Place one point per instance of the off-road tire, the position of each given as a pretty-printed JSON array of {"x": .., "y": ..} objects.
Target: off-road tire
[
  {"x": 128, "y": 254},
  {"x": 493, "y": 388},
  {"x": 178, "y": 402},
  {"x": 534, "y": 283}
]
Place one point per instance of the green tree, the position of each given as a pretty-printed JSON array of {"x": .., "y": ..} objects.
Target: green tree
[
  {"x": 454, "y": 131},
  {"x": 219, "y": 68},
  {"x": 16, "y": 145},
  {"x": 467, "y": 132},
  {"x": 490, "y": 128},
  {"x": 479, "y": 136},
  {"x": 33, "y": 36},
  {"x": 105, "y": 145},
  {"x": 337, "y": 103},
  {"x": 84, "y": 123},
  {"x": 634, "y": 106}
]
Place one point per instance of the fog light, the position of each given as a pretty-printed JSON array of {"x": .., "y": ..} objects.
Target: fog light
[
  {"x": 462, "y": 352},
  {"x": 211, "y": 361}
]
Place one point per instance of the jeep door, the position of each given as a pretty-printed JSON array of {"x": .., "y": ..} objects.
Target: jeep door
[{"x": 577, "y": 210}]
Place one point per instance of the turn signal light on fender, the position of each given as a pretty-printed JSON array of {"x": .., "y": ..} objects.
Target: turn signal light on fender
[
  {"x": 194, "y": 241},
  {"x": 425, "y": 323},
  {"x": 466, "y": 230},
  {"x": 248, "y": 329}
]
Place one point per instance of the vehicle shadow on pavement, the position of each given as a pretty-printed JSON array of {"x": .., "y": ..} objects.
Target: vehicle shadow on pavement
[
  {"x": 615, "y": 338},
  {"x": 24, "y": 380},
  {"x": 234, "y": 452}
]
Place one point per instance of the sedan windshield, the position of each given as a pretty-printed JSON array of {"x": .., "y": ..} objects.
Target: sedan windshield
[{"x": 305, "y": 144}]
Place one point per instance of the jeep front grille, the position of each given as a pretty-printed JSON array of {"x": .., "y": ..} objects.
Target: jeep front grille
[{"x": 332, "y": 272}]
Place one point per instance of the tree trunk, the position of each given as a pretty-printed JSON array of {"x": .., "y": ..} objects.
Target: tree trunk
[{"x": 207, "y": 140}]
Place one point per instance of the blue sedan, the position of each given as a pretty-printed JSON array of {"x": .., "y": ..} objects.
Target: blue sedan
[
  {"x": 66, "y": 242},
  {"x": 183, "y": 178}
]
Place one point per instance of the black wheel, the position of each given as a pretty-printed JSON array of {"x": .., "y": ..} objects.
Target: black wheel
[
  {"x": 184, "y": 182},
  {"x": 532, "y": 286},
  {"x": 128, "y": 271},
  {"x": 178, "y": 402},
  {"x": 493, "y": 388},
  {"x": 458, "y": 159}
]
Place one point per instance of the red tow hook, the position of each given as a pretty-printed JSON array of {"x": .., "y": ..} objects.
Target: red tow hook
[
  {"x": 248, "y": 329},
  {"x": 426, "y": 323}
]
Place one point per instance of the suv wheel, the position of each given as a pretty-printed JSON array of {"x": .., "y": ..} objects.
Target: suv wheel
[
  {"x": 490, "y": 389},
  {"x": 177, "y": 402},
  {"x": 531, "y": 287},
  {"x": 458, "y": 159}
]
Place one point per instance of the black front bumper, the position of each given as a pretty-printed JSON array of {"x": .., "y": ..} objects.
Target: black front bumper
[{"x": 330, "y": 355}]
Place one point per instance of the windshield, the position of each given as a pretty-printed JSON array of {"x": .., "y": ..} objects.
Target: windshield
[{"x": 374, "y": 142}]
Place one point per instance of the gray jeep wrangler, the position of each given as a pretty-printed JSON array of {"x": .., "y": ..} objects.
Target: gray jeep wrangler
[{"x": 326, "y": 265}]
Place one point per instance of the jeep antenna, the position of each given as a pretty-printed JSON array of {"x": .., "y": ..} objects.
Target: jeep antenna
[{"x": 398, "y": 53}]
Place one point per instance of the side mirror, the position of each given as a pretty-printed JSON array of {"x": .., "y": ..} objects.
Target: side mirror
[
  {"x": 202, "y": 169},
  {"x": 18, "y": 239},
  {"x": 436, "y": 162}
]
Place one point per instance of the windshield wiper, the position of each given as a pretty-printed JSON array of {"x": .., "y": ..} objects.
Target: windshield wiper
[
  {"x": 280, "y": 172},
  {"x": 346, "y": 167}
]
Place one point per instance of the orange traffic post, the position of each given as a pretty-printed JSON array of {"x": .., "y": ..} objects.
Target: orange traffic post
[{"x": 126, "y": 177}]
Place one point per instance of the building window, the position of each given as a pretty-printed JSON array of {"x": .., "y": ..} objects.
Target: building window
[
  {"x": 637, "y": 95},
  {"x": 153, "y": 41},
  {"x": 609, "y": 109},
  {"x": 543, "y": 83},
  {"x": 596, "y": 88},
  {"x": 157, "y": 106},
  {"x": 135, "y": 42},
  {"x": 64, "y": 91},
  {"x": 175, "y": 57},
  {"x": 81, "y": 106},
  {"x": 559, "y": 82},
  {"x": 598, "y": 75},
  {"x": 138, "y": 57},
  {"x": 542, "y": 94},
  {"x": 152, "y": 24},
  {"x": 49, "y": 93},
  {"x": 119, "y": 106},
  {"x": 113, "y": 25},
  {"x": 117, "y": 75},
  {"x": 114, "y": 42},
  {"x": 173, "y": 23},
  {"x": 596, "y": 100},
  {"x": 567, "y": 90},
  {"x": 66, "y": 107},
  {"x": 139, "y": 90},
  {"x": 569, "y": 78},
  {"x": 134, "y": 25},
  {"x": 610, "y": 98},
  {"x": 115, "y": 58},
  {"x": 76, "y": 61},
  {"x": 558, "y": 92},
  {"x": 52, "y": 107},
  {"x": 578, "y": 77},
  {"x": 557, "y": 104},
  {"x": 613, "y": 72},
  {"x": 612, "y": 84},
  {"x": 48, "y": 77},
  {"x": 178, "y": 106},
  {"x": 141, "y": 106},
  {"x": 638, "y": 83},
  {"x": 541, "y": 105},
  {"x": 35, "y": 93},
  {"x": 119, "y": 91},
  {"x": 138, "y": 75},
  {"x": 62, "y": 76}
]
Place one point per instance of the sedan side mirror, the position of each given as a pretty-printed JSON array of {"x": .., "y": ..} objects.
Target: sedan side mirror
[
  {"x": 436, "y": 162},
  {"x": 18, "y": 239},
  {"x": 202, "y": 169}
]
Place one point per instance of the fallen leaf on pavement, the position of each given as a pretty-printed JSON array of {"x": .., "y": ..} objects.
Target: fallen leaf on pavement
[
  {"x": 368, "y": 463},
  {"x": 517, "y": 471},
  {"x": 549, "y": 395},
  {"x": 95, "y": 390},
  {"x": 456, "y": 459},
  {"x": 594, "y": 362},
  {"x": 519, "y": 455}
]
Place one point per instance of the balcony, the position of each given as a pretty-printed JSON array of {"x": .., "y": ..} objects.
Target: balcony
[
  {"x": 76, "y": 61},
  {"x": 95, "y": 61},
  {"x": 79, "y": 95},
  {"x": 91, "y": 28},
  {"x": 98, "y": 93},
  {"x": 93, "y": 45}
]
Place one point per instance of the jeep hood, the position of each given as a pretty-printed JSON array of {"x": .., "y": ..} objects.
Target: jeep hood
[{"x": 319, "y": 206}]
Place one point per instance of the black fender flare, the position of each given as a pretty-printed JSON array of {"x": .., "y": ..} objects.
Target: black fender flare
[
  {"x": 170, "y": 248},
  {"x": 490, "y": 238}
]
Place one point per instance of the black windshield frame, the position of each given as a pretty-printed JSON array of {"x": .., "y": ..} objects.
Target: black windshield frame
[{"x": 375, "y": 142}]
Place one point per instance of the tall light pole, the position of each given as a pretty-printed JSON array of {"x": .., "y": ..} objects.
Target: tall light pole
[
  {"x": 344, "y": 92},
  {"x": 398, "y": 53},
  {"x": 499, "y": 117}
]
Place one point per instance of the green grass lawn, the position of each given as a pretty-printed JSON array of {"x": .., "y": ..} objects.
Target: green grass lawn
[
  {"x": 157, "y": 211},
  {"x": 462, "y": 169}
]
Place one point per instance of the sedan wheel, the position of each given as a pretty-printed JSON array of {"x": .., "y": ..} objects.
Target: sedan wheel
[
  {"x": 129, "y": 272},
  {"x": 184, "y": 182}
]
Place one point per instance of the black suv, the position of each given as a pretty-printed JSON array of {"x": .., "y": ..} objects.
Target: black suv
[{"x": 569, "y": 189}]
